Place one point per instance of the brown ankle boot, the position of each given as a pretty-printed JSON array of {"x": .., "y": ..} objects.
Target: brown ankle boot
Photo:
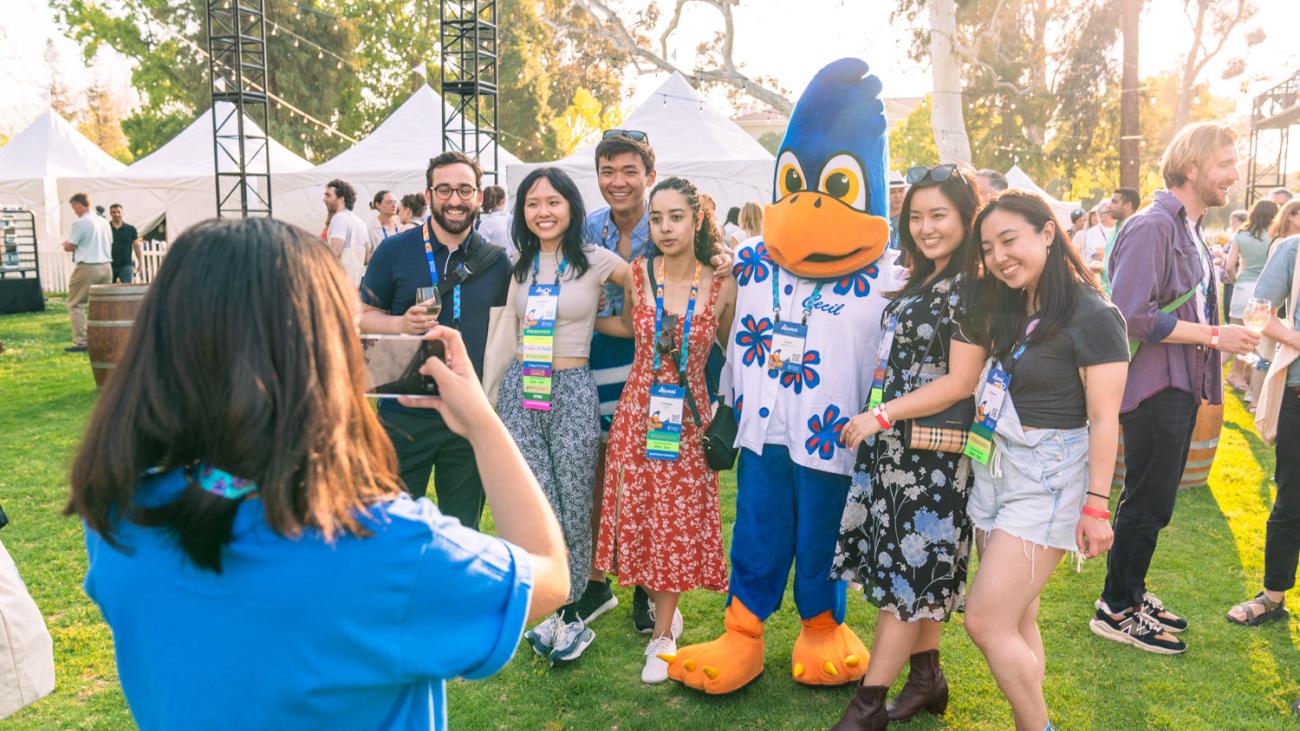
[
  {"x": 866, "y": 712},
  {"x": 925, "y": 688}
]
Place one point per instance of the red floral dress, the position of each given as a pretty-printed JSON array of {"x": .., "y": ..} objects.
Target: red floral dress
[{"x": 659, "y": 522}]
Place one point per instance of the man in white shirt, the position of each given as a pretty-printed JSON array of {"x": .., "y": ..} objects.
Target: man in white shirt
[
  {"x": 91, "y": 244},
  {"x": 348, "y": 235}
]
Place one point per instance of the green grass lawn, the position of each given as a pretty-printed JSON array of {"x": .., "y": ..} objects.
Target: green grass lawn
[{"x": 1209, "y": 558}]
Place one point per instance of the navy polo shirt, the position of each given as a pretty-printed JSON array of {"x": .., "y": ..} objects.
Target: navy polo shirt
[{"x": 398, "y": 267}]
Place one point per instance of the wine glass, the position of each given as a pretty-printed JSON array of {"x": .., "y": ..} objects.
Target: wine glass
[
  {"x": 1256, "y": 317},
  {"x": 432, "y": 301}
]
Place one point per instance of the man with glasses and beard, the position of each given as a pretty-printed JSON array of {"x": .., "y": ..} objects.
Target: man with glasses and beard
[{"x": 472, "y": 276}]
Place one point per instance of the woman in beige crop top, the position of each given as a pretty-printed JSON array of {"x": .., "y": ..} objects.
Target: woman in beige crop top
[{"x": 557, "y": 423}]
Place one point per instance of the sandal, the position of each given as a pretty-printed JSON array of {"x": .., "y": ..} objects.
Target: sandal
[{"x": 1272, "y": 610}]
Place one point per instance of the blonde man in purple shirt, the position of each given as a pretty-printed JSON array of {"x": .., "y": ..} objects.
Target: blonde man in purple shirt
[{"x": 1163, "y": 282}]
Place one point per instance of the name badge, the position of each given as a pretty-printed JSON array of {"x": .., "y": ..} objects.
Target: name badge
[
  {"x": 979, "y": 445},
  {"x": 787, "y": 347},
  {"x": 882, "y": 364},
  {"x": 539, "y": 345},
  {"x": 664, "y": 422}
]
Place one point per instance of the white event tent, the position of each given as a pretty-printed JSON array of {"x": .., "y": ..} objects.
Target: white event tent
[
  {"x": 177, "y": 182},
  {"x": 30, "y": 166},
  {"x": 1018, "y": 178},
  {"x": 393, "y": 157},
  {"x": 690, "y": 140}
]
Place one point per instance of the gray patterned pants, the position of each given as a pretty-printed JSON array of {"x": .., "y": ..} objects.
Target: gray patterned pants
[{"x": 560, "y": 446}]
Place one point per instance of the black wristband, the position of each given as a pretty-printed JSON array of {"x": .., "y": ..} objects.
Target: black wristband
[{"x": 1103, "y": 497}]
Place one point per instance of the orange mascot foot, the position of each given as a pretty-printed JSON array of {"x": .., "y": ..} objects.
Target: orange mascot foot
[
  {"x": 726, "y": 664},
  {"x": 828, "y": 653}
]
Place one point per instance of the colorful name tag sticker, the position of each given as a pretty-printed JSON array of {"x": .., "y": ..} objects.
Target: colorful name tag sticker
[
  {"x": 664, "y": 422},
  {"x": 788, "y": 340},
  {"x": 539, "y": 345},
  {"x": 979, "y": 445}
]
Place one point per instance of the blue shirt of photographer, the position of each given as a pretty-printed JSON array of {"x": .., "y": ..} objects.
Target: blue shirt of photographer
[{"x": 299, "y": 633}]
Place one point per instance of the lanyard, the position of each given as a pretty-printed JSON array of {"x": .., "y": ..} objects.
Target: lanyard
[
  {"x": 559, "y": 270},
  {"x": 877, "y": 393},
  {"x": 1019, "y": 350},
  {"x": 384, "y": 230},
  {"x": 433, "y": 276},
  {"x": 686, "y": 322},
  {"x": 808, "y": 304}
]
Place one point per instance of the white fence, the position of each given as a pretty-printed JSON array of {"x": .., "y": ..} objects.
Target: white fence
[{"x": 56, "y": 265}]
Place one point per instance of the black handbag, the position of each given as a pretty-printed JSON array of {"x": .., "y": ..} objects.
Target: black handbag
[{"x": 945, "y": 431}]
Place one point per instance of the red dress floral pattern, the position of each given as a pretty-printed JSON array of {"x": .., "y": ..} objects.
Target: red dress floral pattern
[{"x": 659, "y": 522}]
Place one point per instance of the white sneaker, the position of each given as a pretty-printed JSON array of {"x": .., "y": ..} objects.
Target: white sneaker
[
  {"x": 656, "y": 670},
  {"x": 571, "y": 639},
  {"x": 542, "y": 637},
  {"x": 676, "y": 626}
]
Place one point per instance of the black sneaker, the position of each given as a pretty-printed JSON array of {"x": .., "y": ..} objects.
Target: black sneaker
[
  {"x": 1152, "y": 605},
  {"x": 643, "y": 616},
  {"x": 75, "y": 349},
  {"x": 597, "y": 599},
  {"x": 1136, "y": 628}
]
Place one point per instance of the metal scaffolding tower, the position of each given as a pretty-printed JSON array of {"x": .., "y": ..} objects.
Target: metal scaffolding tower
[
  {"x": 237, "y": 64},
  {"x": 1272, "y": 116},
  {"x": 469, "y": 80}
]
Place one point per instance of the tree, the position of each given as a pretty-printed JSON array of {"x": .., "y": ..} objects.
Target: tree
[
  {"x": 582, "y": 122},
  {"x": 912, "y": 141},
  {"x": 1213, "y": 22},
  {"x": 951, "y": 140},
  {"x": 1129, "y": 127}
]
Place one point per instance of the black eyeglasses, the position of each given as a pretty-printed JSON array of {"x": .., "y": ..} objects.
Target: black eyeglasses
[
  {"x": 632, "y": 134},
  {"x": 444, "y": 191}
]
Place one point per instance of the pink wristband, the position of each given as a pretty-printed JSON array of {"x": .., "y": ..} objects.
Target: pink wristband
[{"x": 882, "y": 418}]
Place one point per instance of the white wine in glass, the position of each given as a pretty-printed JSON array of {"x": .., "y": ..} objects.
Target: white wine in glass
[
  {"x": 1255, "y": 317},
  {"x": 430, "y": 299}
]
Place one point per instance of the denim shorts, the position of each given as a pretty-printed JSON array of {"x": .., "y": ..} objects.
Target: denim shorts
[{"x": 1033, "y": 489}]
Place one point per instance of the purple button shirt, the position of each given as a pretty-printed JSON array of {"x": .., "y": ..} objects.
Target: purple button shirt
[{"x": 1155, "y": 260}]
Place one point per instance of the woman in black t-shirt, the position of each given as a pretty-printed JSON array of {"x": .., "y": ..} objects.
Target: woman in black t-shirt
[{"x": 1050, "y": 405}]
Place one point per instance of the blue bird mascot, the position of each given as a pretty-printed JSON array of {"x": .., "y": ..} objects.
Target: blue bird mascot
[{"x": 811, "y": 294}]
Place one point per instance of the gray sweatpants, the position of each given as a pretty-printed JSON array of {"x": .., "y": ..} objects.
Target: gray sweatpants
[{"x": 560, "y": 446}]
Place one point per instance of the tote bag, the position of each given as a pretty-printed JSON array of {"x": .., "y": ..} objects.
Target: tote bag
[{"x": 26, "y": 651}]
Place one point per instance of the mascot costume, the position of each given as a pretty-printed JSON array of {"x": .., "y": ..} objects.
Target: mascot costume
[{"x": 811, "y": 293}]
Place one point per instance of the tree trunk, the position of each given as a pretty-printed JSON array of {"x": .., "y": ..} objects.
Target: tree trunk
[
  {"x": 1129, "y": 131},
  {"x": 1191, "y": 67},
  {"x": 946, "y": 113}
]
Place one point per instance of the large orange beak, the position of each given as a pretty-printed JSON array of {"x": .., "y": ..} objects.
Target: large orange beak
[{"x": 816, "y": 236}]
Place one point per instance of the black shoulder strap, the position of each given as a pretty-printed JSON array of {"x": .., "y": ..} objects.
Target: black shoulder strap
[{"x": 480, "y": 256}]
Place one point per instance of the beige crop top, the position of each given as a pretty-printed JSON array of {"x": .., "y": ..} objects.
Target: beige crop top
[{"x": 575, "y": 318}]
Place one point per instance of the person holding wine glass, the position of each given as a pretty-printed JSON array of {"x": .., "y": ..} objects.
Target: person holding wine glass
[
  {"x": 1275, "y": 288},
  {"x": 403, "y": 292}
]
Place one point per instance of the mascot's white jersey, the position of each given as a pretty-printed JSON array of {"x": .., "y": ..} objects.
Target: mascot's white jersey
[{"x": 805, "y": 411}]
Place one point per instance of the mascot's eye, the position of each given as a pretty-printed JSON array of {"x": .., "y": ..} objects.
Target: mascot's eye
[
  {"x": 789, "y": 175},
  {"x": 843, "y": 180},
  {"x": 793, "y": 181}
]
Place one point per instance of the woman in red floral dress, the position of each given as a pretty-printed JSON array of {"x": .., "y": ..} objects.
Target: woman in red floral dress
[{"x": 659, "y": 525}]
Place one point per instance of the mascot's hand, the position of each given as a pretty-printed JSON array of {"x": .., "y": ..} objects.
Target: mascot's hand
[
  {"x": 726, "y": 664},
  {"x": 828, "y": 653}
]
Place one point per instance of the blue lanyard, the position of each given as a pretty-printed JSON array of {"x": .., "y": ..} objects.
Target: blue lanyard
[
  {"x": 686, "y": 321},
  {"x": 808, "y": 304},
  {"x": 384, "y": 229},
  {"x": 433, "y": 276},
  {"x": 1019, "y": 350},
  {"x": 559, "y": 270}
]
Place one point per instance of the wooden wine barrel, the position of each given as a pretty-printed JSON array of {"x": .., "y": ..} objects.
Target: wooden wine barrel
[
  {"x": 1200, "y": 458},
  {"x": 110, "y": 312}
]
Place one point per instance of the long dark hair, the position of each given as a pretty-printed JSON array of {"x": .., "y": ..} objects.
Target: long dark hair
[
  {"x": 529, "y": 245},
  {"x": 961, "y": 192},
  {"x": 1261, "y": 216},
  {"x": 998, "y": 317},
  {"x": 243, "y": 357},
  {"x": 706, "y": 227}
]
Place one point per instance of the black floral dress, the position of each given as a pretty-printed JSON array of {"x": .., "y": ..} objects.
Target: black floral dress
[{"x": 904, "y": 535}]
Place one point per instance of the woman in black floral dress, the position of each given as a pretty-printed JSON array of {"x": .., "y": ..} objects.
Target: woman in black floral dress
[{"x": 904, "y": 535}]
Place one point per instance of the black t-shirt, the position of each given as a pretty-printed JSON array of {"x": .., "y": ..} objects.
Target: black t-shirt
[
  {"x": 123, "y": 237},
  {"x": 398, "y": 267},
  {"x": 1045, "y": 384}
]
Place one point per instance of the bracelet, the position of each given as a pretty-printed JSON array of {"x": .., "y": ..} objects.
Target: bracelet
[
  {"x": 1097, "y": 494},
  {"x": 1095, "y": 513},
  {"x": 882, "y": 417},
  {"x": 1214, "y": 337}
]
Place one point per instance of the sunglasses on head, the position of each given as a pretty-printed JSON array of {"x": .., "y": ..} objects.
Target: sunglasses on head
[
  {"x": 667, "y": 343},
  {"x": 631, "y": 134},
  {"x": 936, "y": 174}
]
